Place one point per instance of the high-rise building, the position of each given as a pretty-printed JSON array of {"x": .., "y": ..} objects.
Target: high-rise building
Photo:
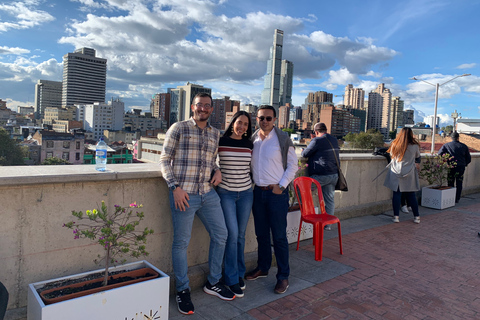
[
  {"x": 396, "y": 114},
  {"x": 98, "y": 116},
  {"x": 47, "y": 94},
  {"x": 84, "y": 78},
  {"x": 271, "y": 89},
  {"x": 286, "y": 83},
  {"x": 408, "y": 117},
  {"x": 284, "y": 116},
  {"x": 354, "y": 97},
  {"x": 339, "y": 121},
  {"x": 220, "y": 109},
  {"x": 160, "y": 107},
  {"x": 378, "y": 113},
  {"x": 185, "y": 99}
]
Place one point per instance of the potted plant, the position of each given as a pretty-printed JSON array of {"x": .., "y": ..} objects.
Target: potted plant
[
  {"x": 435, "y": 170},
  {"x": 123, "y": 292}
]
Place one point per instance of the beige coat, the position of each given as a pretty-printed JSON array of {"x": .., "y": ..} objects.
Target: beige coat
[{"x": 403, "y": 174}]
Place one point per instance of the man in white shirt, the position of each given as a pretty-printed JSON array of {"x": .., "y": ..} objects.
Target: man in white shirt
[{"x": 274, "y": 164}]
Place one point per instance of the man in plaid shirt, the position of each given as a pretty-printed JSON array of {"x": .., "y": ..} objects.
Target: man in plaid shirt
[{"x": 188, "y": 165}]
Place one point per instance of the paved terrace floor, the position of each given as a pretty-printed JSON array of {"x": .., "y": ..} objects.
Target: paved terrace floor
[{"x": 388, "y": 271}]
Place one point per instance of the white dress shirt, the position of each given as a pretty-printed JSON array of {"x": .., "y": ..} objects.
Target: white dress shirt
[{"x": 267, "y": 164}]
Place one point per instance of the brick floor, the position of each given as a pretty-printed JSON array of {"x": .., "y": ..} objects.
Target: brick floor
[{"x": 401, "y": 271}]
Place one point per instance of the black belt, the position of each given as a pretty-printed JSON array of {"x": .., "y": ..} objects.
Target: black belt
[{"x": 270, "y": 187}]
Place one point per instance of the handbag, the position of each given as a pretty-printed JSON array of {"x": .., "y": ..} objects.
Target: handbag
[{"x": 341, "y": 182}]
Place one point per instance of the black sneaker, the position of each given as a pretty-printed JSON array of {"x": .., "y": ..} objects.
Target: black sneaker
[
  {"x": 219, "y": 290},
  {"x": 184, "y": 302},
  {"x": 237, "y": 290},
  {"x": 242, "y": 285}
]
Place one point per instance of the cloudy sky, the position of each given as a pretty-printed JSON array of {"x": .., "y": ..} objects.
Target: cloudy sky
[{"x": 152, "y": 45}]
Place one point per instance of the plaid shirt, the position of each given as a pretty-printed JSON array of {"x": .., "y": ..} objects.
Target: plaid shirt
[{"x": 189, "y": 156}]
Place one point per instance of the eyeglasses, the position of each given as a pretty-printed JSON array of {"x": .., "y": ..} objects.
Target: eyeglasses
[
  {"x": 265, "y": 118},
  {"x": 199, "y": 105}
]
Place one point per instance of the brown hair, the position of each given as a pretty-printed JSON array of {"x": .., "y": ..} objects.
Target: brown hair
[{"x": 399, "y": 145}]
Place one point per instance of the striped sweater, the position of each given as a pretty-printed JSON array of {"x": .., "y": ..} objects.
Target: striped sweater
[{"x": 235, "y": 157}]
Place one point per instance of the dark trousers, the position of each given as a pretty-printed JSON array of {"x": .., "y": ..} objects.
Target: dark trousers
[
  {"x": 3, "y": 300},
  {"x": 455, "y": 178},
  {"x": 411, "y": 199},
  {"x": 270, "y": 215}
]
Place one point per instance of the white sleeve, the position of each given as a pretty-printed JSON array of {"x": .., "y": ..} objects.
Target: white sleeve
[{"x": 292, "y": 168}]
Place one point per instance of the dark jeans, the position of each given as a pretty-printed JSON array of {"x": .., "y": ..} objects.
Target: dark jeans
[
  {"x": 455, "y": 177},
  {"x": 411, "y": 199},
  {"x": 270, "y": 214},
  {"x": 3, "y": 300}
]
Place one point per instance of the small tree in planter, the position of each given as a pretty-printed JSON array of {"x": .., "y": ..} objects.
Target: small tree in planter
[
  {"x": 114, "y": 231},
  {"x": 435, "y": 169}
]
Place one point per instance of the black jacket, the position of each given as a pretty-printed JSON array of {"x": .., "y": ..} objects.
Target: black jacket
[
  {"x": 458, "y": 150},
  {"x": 321, "y": 156}
]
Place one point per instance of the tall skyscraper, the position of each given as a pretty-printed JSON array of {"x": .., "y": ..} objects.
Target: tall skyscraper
[
  {"x": 378, "y": 114},
  {"x": 47, "y": 94},
  {"x": 101, "y": 116},
  {"x": 286, "y": 83},
  {"x": 187, "y": 93},
  {"x": 84, "y": 78},
  {"x": 271, "y": 89},
  {"x": 396, "y": 114},
  {"x": 354, "y": 97},
  {"x": 283, "y": 116},
  {"x": 160, "y": 107}
]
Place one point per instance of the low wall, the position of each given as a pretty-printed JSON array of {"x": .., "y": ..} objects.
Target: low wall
[{"x": 37, "y": 200}]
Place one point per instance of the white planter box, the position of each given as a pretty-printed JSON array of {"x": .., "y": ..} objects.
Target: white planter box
[
  {"x": 293, "y": 221},
  {"x": 438, "y": 199},
  {"x": 143, "y": 300}
]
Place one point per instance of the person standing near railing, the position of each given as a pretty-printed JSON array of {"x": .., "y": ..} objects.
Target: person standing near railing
[
  {"x": 403, "y": 173},
  {"x": 3, "y": 300}
]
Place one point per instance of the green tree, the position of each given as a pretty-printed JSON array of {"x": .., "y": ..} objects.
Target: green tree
[
  {"x": 449, "y": 129},
  {"x": 11, "y": 154},
  {"x": 288, "y": 130},
  {"x": 54, "y": 161},
  {"x": 392, "y": 134},
  {"x": 365, "y": 140}
]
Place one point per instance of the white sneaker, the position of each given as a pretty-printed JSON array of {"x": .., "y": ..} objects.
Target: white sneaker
[
  {"x": 404, "y": 209},
  {"x": 416, "y": 219},
  {"x": 396, "y": 219}
]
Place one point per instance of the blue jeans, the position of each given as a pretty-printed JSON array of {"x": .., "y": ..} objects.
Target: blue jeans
[
  {"x": 270, "y": 214},
  {"x": 328, "y": 183},
  {"x": 208, "y": 209},
  {"x": 236, "y": 209}
]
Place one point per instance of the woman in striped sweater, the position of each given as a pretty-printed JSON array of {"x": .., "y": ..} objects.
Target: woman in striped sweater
[{"x": 236, "y": 195}]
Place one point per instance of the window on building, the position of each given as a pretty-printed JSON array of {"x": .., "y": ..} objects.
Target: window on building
[
  {"x": 77, "y": 156},
  {"x": 66, "y": 156},
  {"x": 50, "y": 144},
  {"x": 66, "y": 144},
  {"x": 77, "y": 144}
]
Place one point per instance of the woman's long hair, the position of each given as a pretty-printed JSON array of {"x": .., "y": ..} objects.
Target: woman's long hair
[
  {"x": 399, "y": 145},
  {"x": 229, "y": 130}
]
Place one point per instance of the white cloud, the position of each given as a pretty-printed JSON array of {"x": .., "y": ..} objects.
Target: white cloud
[
  {"x": 467, "y": 66},
  {"x": 16, "y": 51},
  {"x": 24, "y": 15}
]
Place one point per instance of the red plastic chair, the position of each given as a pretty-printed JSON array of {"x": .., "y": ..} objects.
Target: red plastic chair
[{"x": 303, "y": 190}]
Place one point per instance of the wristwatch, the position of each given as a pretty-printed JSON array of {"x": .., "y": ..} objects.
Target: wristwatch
[
  {"x": 172, "y": 188},
  {"x": 282, "y": 188}
]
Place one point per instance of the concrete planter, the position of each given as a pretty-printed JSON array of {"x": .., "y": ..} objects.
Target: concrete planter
[
  {"x": 293, "y": 221},
  {"x": 438, "y": 198},
  {"x": 143, "y": 300}
]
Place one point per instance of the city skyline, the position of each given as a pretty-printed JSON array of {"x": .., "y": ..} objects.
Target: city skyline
[{"x": 155, "y": 45}]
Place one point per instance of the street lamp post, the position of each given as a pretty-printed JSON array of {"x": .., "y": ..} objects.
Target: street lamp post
[
  {"x": 437, "y": 86},
  {"x": 455, "y": 116}
]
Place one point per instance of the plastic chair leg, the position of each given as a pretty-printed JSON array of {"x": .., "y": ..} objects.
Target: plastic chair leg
[
  {"x": 299, "y": 230},
  {"x": 340, "y": 237},
  {"x": 319, "y": 241}
]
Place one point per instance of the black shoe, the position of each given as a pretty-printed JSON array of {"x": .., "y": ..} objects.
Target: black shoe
[
  {"x": 184, "y": 302},
  {"x": 241, "y": 283},
  {"x": 479, "y": 234},
  {"x": 236, "y": 290},
  {"x": 219, "y": 290},
  {"x": 282, "y": 286}
]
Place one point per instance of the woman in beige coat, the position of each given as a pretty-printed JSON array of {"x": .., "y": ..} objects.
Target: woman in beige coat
[{"x": 403, "y": 173}]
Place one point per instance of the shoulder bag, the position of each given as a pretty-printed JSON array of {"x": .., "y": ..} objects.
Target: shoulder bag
[{"x": 341, "y": 182}]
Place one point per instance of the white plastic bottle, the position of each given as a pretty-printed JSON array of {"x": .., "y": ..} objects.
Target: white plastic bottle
[{"x": 101, "y": 155}]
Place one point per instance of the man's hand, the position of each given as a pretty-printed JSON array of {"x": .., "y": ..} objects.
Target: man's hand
[
  {"x": 181, "y": 199},
  {"x": 276, "y": 189},
  {"x": 217, "y": 178}
]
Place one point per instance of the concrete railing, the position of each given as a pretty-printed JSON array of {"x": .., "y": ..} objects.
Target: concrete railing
[{"x": 37, "y": 200}]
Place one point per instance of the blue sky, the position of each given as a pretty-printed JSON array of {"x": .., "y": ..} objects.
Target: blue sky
[{"x": 224, "y": 45}]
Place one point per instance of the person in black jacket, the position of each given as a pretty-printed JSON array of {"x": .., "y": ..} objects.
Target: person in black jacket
[
  {"x": 322, "y": 164},
  {"x": 461, "y": 155},
  {"x": 3, "y": 300}
]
